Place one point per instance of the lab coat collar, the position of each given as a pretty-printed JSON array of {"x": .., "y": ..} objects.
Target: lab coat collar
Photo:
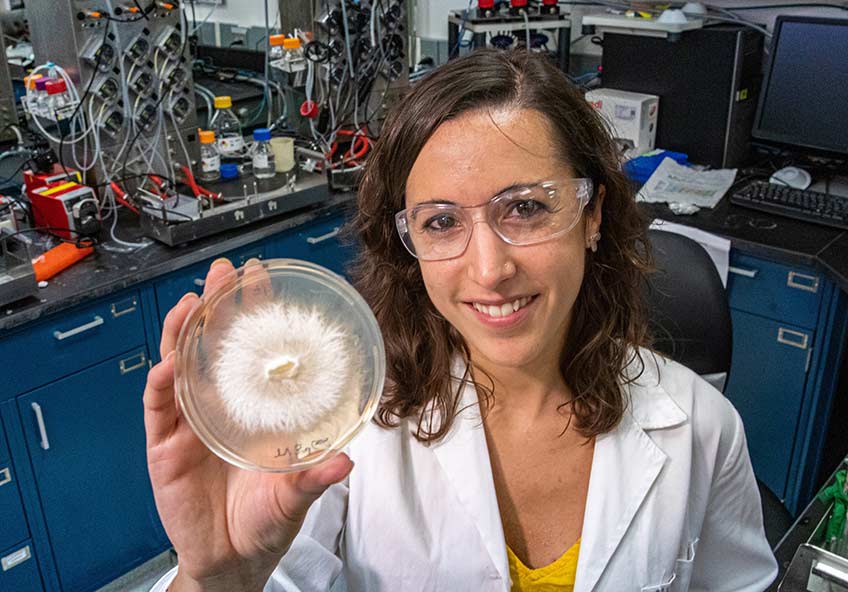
[{"x": 625, "y": 455}]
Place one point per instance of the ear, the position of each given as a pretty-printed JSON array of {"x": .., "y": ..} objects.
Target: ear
[{"x": 595, "y": 215}]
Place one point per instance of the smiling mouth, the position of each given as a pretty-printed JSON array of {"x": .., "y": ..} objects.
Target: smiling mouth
[{"x": 502, "y": 310}]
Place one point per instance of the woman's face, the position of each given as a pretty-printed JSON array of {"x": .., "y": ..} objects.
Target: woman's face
[{"x": 467, "y": 161}]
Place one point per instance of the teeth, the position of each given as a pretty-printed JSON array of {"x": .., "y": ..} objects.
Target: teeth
[{"x": 503, "y": 310}]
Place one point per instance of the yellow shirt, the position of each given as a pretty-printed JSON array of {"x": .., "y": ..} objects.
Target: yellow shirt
[{"x": 556, "y": 577}]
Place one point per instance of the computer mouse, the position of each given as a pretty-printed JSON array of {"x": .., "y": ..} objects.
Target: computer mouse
[{"x": 791, "y": 176}]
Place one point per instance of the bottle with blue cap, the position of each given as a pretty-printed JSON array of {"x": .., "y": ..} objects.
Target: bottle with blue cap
[{"x": 264, "y": 166}]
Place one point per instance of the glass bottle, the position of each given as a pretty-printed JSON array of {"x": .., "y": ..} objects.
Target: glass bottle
[
  {"x": 276, "y": 43},
  {"x": 264, "y": 166},
  {"x": 210, "y": 160},
  {"x": 57, "y": 99},
  {"x": 227, "y": 128}
]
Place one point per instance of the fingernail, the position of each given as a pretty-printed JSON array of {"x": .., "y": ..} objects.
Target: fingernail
[
  {"x": 252, "y": 261},
  {"x": 188, "y": 296},
  {"x": 170, "y": 355},
  {"x": 218, "y": 261}
]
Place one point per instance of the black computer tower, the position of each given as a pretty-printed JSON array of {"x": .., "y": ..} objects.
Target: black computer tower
[{"x": 707, "y": 81}]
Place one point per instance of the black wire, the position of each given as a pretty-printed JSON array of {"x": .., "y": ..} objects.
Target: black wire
[
  {"x": 78, "y": 241},
  {"x": 141, "y": 130},
  {"x": 18, "y": 170},
  {"x": 82, "y": 98},
  {"x": 143, "y": 11}
]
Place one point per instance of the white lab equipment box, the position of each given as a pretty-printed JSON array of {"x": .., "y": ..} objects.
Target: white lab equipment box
[{"x": 632, "y": 117}]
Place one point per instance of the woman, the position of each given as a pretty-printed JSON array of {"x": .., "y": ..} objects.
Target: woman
[{"x": 526, "y": 439}]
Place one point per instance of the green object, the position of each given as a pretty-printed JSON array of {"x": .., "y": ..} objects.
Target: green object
[{"x": 836, "y": 492}]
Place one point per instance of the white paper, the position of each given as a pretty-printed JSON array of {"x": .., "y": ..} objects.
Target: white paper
[
  {"x": 675, "y": 183},
  {"x": 718, "y": 248}
]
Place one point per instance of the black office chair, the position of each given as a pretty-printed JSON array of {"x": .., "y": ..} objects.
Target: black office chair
[{"x": 690, "y": 318}]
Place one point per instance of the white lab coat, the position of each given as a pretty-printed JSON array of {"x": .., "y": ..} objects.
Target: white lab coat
[{"x": 672, "y": 506}]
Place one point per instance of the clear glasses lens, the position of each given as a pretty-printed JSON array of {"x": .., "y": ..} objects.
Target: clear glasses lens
[{"x": 521, "y": 216}]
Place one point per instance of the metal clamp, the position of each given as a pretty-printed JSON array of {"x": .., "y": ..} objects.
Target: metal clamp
[
  {"x": 314, "y": 240},
  {"x": 133, "y": 306},
  {"x": 749, "y": 273},
  {"x": 785, "y": 336},
  {"x": 5, "y": 476},
  {"x": 62, "y": 335},
  {"x": 126, "y": 368},
  {"x": 42, "y": 429},
  {"x": 809, "y": 283}
]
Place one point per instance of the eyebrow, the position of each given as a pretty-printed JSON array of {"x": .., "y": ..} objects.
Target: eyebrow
[{"x": 448, "y": 202}]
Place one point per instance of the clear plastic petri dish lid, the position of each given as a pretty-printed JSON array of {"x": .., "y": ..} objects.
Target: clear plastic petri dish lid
[{"x": 280, "y": 367}]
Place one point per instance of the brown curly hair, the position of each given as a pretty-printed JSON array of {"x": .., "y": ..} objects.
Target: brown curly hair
[{"x": 609, "y": 320}]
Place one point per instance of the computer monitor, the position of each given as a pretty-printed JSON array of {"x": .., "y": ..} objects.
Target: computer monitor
[{"x": 804, "y": 101}]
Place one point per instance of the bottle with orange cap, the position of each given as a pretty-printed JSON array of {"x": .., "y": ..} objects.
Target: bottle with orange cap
[
  {"x": 277, "y": 51},
  {"x": 210, "y": 160},
  {"x": 31, "y": 101}
]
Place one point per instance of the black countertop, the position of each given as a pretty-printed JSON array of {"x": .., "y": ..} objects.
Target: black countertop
[
  {"x": 105, "y": 272},
  {"x": 773, "y": 237}
]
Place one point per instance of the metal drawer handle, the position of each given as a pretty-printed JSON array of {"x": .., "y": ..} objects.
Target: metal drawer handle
[
  {"x": 749, "y": 273},
  {"x": 119, "y": 313},
  {"x": 15, "y": 558},
  {"x": 199, "y": 282},
  {"x": 830, "y": 573},
  {"x": 5, "y": 476},
  {"x": 61, "y": 335},
  {"x": 314, "y": 240},
  {"x": 793, "y": 338},
  {"x": 126, "y": 368},
  {"x": 42, "y": 429},
  {"x": 810, "y": 283}
]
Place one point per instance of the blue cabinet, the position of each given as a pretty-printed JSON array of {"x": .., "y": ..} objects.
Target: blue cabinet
[
  {"x": 86, "y": 443},
  {"x": 319, "y": 242},
  {"x": 789, "y": 326},
  {"x": 13, "y": 526}
]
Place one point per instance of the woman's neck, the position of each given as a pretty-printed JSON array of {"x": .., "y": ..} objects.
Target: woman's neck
[{"x": 522, "y": 395}]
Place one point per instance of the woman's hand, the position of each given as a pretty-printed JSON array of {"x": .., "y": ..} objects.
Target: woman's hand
[{"x": 229, "y": 526}]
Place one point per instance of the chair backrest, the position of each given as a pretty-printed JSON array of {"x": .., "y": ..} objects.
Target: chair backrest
[{"x": 687, "y": 303}]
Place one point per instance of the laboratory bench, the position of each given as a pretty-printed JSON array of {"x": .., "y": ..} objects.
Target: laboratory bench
[{"x": 75, "y": 500}]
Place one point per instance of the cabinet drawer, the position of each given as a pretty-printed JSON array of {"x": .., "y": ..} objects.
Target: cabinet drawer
[
  {"x": 19, "y": 571},
  {"x": 316, "y": 242},
  {"x": 192, "y": 279},
  {"x": 779, "y": 292},
  {"x": 13, "y": 525},
  {"x": 72, "y": 340},
  {"x": 4, "y": 449},
  {"x": 769, "y": 401}
]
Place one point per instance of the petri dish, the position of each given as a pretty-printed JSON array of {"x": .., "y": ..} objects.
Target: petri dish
[{"x": 280, "y": 367}]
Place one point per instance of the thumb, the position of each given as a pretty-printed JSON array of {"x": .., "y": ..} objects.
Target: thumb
[{"x": 310, "y": 484}]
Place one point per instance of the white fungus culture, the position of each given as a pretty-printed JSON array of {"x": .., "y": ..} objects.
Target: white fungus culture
[{"x": 284, "y": 368}]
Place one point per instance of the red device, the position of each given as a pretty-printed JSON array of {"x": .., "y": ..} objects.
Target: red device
[
  {"x": 68, "y": 209},
  {"x": 486, "y": 4},
  {"x": 518, "y": 3}
]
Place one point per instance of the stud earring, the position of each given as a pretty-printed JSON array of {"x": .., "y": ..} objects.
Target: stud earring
[{"x": 593, "y": 242}]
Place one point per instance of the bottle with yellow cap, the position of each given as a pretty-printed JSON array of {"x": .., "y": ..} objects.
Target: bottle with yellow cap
[
  {"x": 210, "y": 160},
  {"x": 227, "y": 128}
]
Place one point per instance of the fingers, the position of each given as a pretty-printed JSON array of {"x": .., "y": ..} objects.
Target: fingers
[
  {"x": 296, "y": 493},
  {"x": 174, "y": 321},
  {"x": 160, "y": 412},
  {"x": 218, "y": 275},
  {"x": 257, "y": 285}
]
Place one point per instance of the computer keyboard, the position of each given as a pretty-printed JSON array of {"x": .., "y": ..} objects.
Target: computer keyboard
[{"x": 806, "y": 205}]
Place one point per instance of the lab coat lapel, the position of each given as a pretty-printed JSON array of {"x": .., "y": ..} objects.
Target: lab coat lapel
[
  {"x": 625, "y": 464},
  {"x": 464, "y": 456}
]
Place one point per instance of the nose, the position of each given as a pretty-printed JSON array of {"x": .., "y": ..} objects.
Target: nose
[{"x": 489, "y": 259}]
